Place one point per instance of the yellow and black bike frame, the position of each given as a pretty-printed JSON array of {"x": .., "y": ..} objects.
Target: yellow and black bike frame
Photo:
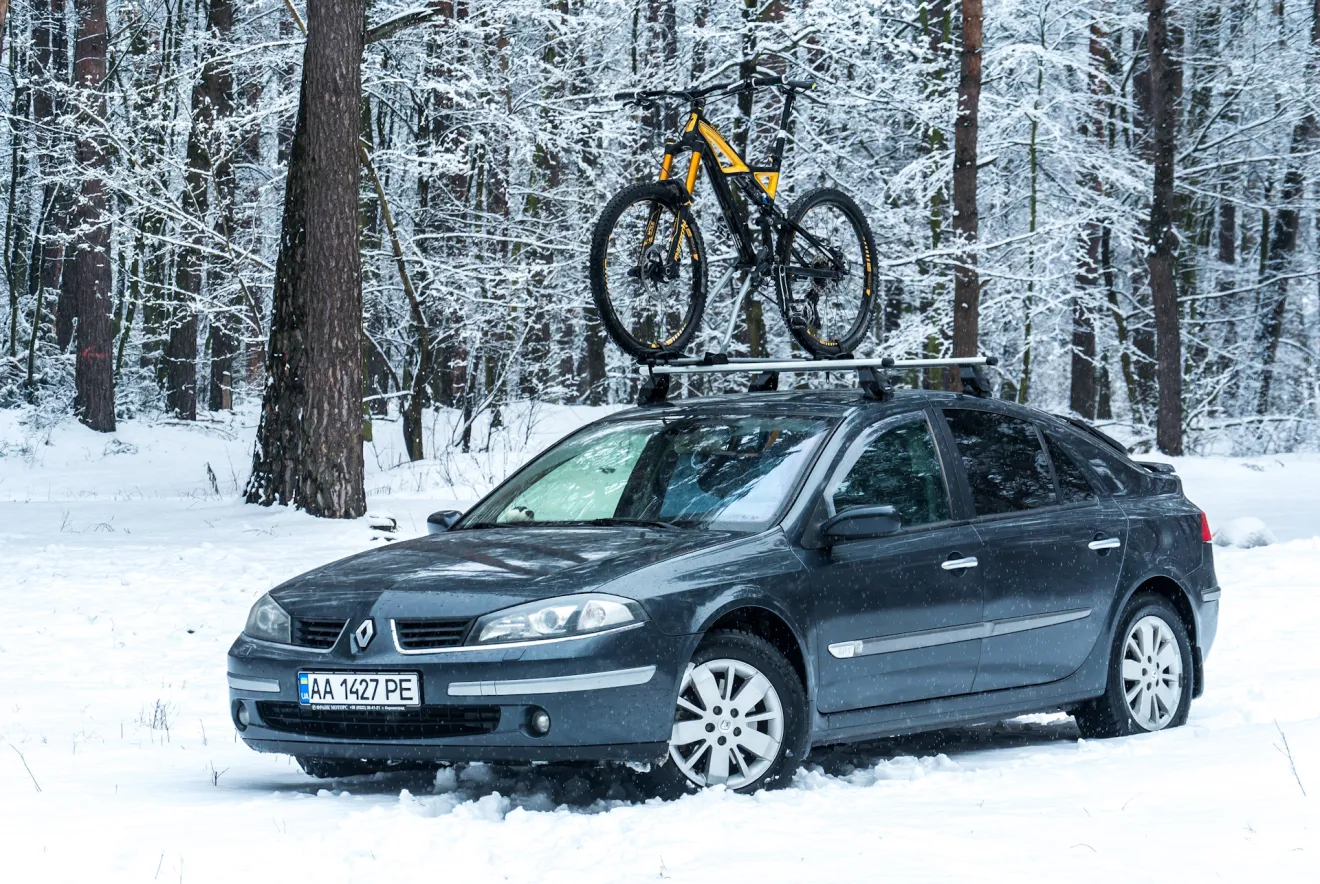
[{"x": 706, "y": 146}]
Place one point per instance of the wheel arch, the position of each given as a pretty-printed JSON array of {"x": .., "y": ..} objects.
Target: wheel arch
[
  {"x": 772, "y": 625},
  {"x": 1172, "y": 590}
]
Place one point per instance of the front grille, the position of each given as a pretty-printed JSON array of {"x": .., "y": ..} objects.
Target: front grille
[
  {"x": 319, "y": 634},
  {"x": 433, "y": 632},
  {"x": 380, "y": 724}
]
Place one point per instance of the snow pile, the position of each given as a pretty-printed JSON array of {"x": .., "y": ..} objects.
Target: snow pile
[
  {"x": 1245, "y": 533},
  {"x": 127, "y": 567}
]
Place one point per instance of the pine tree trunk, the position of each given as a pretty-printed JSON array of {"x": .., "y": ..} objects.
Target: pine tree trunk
[
  {"x": 1283, "y": 242},
  {"x": 225, "y": 325},
  {"x": 1163, "y": 240},
  {"x": 309, "y": 443},
  {"x": 94, "y": 379},
  {"x": 50, "y": 71},
  {"x": 1083, "y": 393},
  {"x": 966, "y": 281}
]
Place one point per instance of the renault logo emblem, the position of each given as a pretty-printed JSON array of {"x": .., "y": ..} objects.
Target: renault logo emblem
[{"x": 364, "y": 634}]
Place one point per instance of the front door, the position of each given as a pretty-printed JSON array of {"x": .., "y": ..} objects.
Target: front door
[
  {"x": 1052, "y": 549},
  {"x": 897, "y": 616}
]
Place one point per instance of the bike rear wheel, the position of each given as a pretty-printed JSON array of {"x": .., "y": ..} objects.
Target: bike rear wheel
[
  {"x": 648, "y": 271},
  {"x": 827, "y": 273}
]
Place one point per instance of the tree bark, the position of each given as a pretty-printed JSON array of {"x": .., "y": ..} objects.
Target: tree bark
[
  {"x": 212, "y": 99},
  {"x": 49, "y": 70},
  {"x": 1283, "y": 242},
  {"x": 309, "y": 443},
  {"x": 1083, "y": 391},
  {"x": 966, "y": 280},
  {"x": 94, "y": 378},
  {"x": 225, "y": 325},
  {"x": 1163, "y": 239}
]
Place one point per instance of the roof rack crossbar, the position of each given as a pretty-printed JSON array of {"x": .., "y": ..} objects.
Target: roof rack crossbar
[
  {"x": 736, "y": 364},
  {"x": 872, "y": 374}
]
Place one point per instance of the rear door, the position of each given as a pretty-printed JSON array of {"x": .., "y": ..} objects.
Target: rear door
[
  {"x": 1052, "y": 548},
  {"x": 897, "y": 616}
]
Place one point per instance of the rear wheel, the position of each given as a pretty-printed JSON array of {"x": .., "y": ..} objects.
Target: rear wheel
[
  {"x": 827, "y": 278},
  {"x": 1150, "y": 674},
  {"x": 648, "y": 271},
  {"x": 740, "y": 720}
]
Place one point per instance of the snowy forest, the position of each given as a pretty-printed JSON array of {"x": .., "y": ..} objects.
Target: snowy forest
[{"x": 1127, "y": 193}]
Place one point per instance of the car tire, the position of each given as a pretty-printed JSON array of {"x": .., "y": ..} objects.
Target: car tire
[
  {"x": 734, "y": 678},
  {"x": 1149, "y": 685},
  {"x": 335, "y": 768}
]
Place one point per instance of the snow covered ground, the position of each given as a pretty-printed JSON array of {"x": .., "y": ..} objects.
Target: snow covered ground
[{"x": 127, "y": 566}]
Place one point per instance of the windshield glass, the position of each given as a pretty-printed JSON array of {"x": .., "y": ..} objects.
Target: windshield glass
[{"x": 726, "y": 473}]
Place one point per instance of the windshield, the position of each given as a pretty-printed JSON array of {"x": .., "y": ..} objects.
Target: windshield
[{"x": 725, "y": 473}]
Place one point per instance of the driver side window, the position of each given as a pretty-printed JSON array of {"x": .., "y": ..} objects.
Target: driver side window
[{"x": 896, "y": 467}]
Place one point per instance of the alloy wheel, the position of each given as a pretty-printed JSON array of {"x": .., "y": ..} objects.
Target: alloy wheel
[
  {"x": 1152, "y": 673},
  {"x": 729, "y": 725}
]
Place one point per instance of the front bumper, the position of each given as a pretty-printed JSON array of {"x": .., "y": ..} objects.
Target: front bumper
[{"x": 609, "y": 696}]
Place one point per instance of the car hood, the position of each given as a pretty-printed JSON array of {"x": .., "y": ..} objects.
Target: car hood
[{"x": 472, "y": 572}]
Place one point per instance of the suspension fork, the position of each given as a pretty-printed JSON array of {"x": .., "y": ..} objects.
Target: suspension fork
[{"x": 672, "y": 147}]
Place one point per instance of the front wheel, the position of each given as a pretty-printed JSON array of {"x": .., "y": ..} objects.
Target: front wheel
[
  {"x": 740, "y": 721},
  {"x": 826, "y": 274},
  {"x": 648, "y": 271}
]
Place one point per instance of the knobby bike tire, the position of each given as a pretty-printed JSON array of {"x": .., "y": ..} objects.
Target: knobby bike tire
[
  {"x": 673, "y": 344},
  {"x": 848, "y": 342}
]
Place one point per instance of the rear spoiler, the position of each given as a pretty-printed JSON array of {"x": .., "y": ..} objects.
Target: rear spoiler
[{"x": 1091, "y": 431}]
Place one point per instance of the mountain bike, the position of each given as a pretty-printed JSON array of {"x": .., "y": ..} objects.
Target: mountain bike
[{"x": 648, "y": 258}]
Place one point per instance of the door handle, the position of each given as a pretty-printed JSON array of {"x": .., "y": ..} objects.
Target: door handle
[
  {"x": 956, "y": 564},
  {"x": 1105, "y": 543}
]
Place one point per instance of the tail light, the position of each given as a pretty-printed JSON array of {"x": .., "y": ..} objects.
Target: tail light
[{"x": 1205, "y": 529}]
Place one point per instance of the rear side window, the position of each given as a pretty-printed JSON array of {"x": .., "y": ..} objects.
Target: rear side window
[
  {"x": 1005, "y": 465},
  {"x": 1074, "y": 487}
]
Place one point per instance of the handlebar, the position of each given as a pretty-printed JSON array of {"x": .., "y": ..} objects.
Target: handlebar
[{"x": 735, "y": 87}]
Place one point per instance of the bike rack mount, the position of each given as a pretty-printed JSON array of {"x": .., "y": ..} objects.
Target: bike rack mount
[{"x": 872, "y": 374}]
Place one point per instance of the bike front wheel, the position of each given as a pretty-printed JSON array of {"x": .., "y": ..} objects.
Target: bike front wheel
[
  {"x": 648, "y": 271},
  {"x": 826, "y": 274}
]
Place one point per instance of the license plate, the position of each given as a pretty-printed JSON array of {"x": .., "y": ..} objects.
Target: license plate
[{"x": 359, "y": 689}]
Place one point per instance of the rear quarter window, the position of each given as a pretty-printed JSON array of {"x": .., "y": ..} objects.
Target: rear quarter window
[{"x": 1117, "y": 475}]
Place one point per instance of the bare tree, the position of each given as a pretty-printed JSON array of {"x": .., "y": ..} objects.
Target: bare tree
[
  {"x": 1163, "y": 237},
  {"x": 309, "y": 443},
  {"x": 966, "y": 280},
  {"x": 95, "y": 378}
]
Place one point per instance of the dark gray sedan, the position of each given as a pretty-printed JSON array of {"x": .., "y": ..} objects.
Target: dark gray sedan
[{"x": 712, "y": 587}]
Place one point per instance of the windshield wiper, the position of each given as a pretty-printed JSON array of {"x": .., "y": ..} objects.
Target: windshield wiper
[
  {"x": 645, "y": 523},
  {"x": 600, "y": 523}
]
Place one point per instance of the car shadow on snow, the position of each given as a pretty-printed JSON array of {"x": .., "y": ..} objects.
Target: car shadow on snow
[{"x": 492, "y": 790}]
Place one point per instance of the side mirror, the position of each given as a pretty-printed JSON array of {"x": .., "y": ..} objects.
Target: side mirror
[
  {"x": 439, "y": 523},
  {"x": 860, "y": 523}
]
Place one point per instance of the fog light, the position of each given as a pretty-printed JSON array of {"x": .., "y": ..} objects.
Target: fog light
[
  {"x": 241, "y": 716},
  {"x": 539, "y": 722}
]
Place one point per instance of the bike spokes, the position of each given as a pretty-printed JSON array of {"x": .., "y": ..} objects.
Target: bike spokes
[
  {"x": 650, "y": 262},
  {"x": 827, "y": 277}
]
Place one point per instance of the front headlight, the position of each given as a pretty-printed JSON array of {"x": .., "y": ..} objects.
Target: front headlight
[
  {"x": 556, "y": 618},
  {"x": 268, "y": 621}
]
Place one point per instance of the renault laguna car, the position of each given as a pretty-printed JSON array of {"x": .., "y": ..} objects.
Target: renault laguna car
[{"x": 711, "y": 587}]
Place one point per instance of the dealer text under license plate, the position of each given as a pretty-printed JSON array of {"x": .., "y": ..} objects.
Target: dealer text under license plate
[{"x": 359, "y": 689}]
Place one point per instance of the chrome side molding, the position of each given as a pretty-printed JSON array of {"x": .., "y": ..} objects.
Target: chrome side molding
[{"x": 911, "y": 641}]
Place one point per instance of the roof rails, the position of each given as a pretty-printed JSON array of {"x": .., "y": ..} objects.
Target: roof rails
[{"x": 872, "y": 374}]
